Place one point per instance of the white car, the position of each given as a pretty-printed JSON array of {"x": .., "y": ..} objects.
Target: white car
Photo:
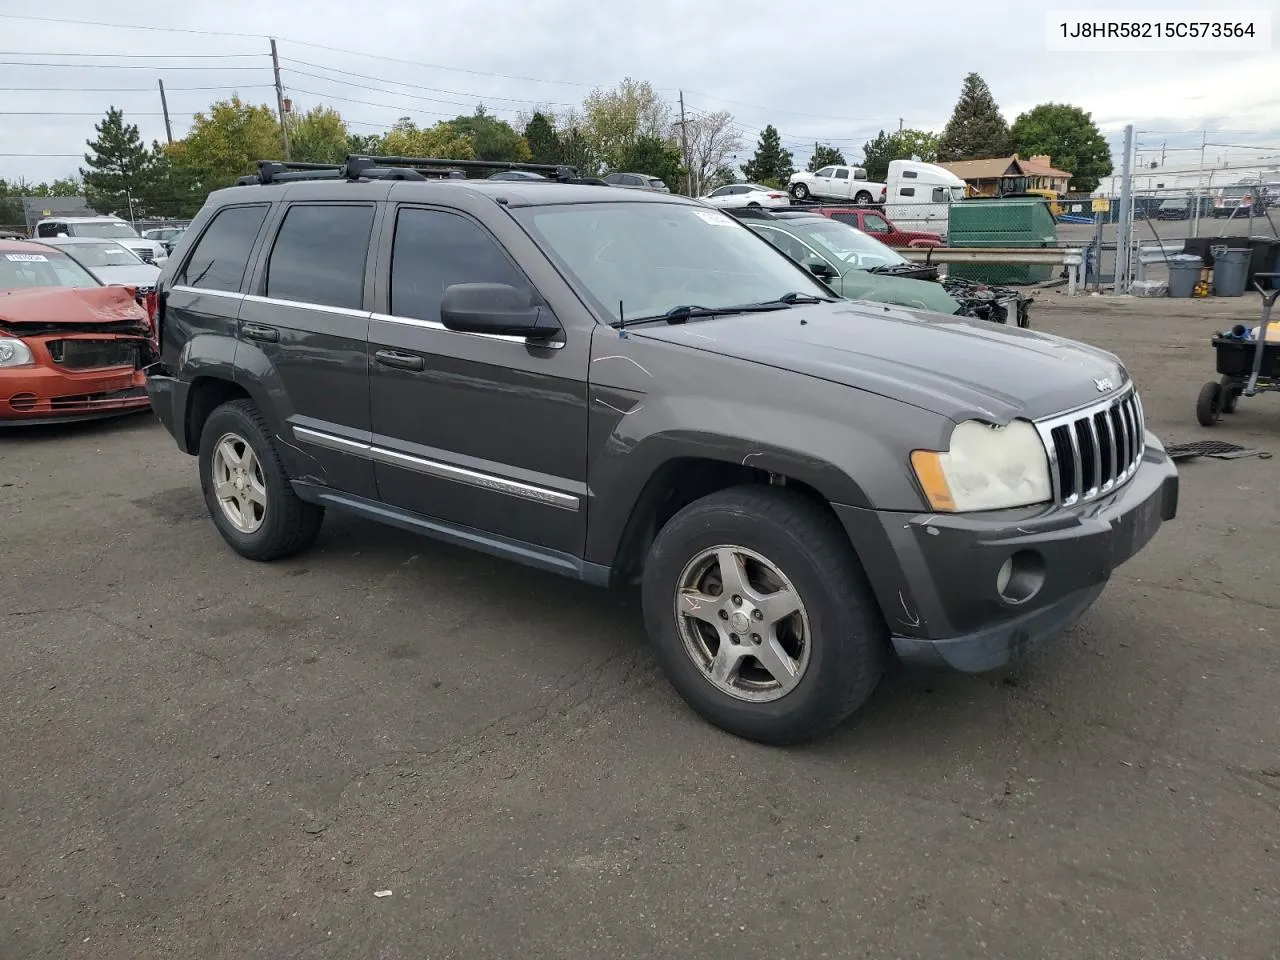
[
  {"x": 103, "y": 228},
  {"x": 747, "y": 195},
  {"x": 108, "y": 260}
]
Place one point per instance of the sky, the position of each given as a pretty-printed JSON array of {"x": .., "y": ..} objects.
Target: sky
[{"x": 772, "y": 62}]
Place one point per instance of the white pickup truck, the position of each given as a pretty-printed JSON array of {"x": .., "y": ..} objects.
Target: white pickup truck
[{"x": 837, "y": 183}]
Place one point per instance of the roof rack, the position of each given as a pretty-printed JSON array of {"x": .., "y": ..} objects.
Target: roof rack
[{"x": 361, "y": 167}]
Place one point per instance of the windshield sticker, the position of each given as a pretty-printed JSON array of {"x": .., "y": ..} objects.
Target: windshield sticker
[
  {"x": 713, "y": 217},
  {"x": 26, "y": 257}
]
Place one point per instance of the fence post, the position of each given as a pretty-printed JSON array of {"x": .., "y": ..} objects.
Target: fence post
[{"x": 1124, "y": 229}]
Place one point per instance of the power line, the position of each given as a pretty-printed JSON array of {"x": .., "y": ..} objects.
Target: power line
[
  {"x": 118, "y": 66},
  {"x": 360, "y": 86},
  {"x": 131, "y": 56},
  {"x": 239, "y": 86}
]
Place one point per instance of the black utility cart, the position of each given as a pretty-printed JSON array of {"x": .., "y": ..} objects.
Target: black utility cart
[{"x": 1246, "y": 367}]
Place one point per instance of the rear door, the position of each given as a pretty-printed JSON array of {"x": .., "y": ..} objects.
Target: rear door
[{"x": 303, "y": 335}]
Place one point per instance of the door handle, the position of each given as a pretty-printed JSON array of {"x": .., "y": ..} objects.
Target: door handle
[
  {"x": 254, "y": 332},
  {"x": 401, "y": 361}
]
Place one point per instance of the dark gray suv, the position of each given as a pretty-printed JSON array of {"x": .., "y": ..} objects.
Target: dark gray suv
[{"x": 622, "y": 386}]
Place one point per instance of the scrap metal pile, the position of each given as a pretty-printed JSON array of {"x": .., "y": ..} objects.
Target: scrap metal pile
[{"x": 985, "y": 302}]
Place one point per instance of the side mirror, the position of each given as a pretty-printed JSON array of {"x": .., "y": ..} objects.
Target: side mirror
[
  {"x": 822, "y": 271},
  {"x": 495, "y": 308}
]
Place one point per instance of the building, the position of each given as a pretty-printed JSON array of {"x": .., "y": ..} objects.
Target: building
[
  {"x": 35, "y": 209},
  {"x": 1180, "y": 179},
  {"x": 1000, "y": 175}
]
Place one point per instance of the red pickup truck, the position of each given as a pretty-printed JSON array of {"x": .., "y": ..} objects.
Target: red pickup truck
[{"x": 875, "y": 223}]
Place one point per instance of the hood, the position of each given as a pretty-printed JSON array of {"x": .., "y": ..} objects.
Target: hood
[
  {"x": 141, "y": 275},
  {"x": 48, "y": 306},
  {"x": 957, "y": 368},
  {"x": 900, "y": 291}
]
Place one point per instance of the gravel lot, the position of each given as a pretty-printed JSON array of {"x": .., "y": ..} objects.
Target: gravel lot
[{"x": 205, "y": 758}]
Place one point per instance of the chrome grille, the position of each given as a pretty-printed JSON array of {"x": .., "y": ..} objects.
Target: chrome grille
[
  {"x": 1096, "y": 449},
  {"x": 148, "y": 256}
]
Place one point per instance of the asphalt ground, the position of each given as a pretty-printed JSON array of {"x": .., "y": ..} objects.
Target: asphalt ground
[{"x": 202, "y": 757}]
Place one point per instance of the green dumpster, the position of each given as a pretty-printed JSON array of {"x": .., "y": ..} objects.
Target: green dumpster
[{"x": 1002, "y": 223}]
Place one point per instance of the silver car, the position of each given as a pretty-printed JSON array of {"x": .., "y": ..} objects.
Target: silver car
[
  {"x": 108, "y": 260},
  {"x": 636, "y": 181}
]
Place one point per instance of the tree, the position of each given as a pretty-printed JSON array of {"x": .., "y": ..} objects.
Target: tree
[
  {"x": 824, "y": 155},
  {"x": 712, "y": 139},
  {"x": 119, "y": 168},
  {"x": 319, "y": 136},
  {"x": 227, "y": 142},
  {"x": 491, "y": 138},
  {"x": 656, "y": 157},
  {"x": 976, "y": 130},
  {"x": 1069, "y": 137},
  {"x": 725, "y": 175},
  {"x": 365, "y": 144},
  {"x": 176, "y": 190},
  {"x": 543, "y": 140},
  {"x": 614, "y": 119},
  {"x": 878, "y": 152},
  {"x": 770, "y": 164},
  {"x": 406, "y": 139}
]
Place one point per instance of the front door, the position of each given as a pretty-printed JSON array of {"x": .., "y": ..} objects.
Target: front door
[
  {"x": 479, "y": 431},
  {"x": 304, "y": 336}
]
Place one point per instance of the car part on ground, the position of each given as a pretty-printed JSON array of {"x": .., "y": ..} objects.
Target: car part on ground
[
  {"x": 997, "y": 304},
  {"x": 802, "y": 486}
]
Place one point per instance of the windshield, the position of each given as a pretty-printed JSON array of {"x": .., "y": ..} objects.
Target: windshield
[
  {"x": 652, "y": 257},
  {"x": 846, "y": 243},
  {"x": 107, "y": 229},
  {"x": 957, "y": 193},
  {"x": 103, "y": 255},
  {"x": 20, "y": 271}
]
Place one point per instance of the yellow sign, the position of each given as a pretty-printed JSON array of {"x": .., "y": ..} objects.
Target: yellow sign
[{"x": 1101, "y": 205}]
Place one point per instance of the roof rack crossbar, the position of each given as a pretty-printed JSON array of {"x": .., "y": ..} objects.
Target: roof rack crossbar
[{"x": 560, "y": 171}]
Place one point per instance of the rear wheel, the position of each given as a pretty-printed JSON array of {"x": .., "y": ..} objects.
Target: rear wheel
[
  {"x": 246, "y": 489},
  {"x": 761, "y": 615},
  {"x": 862, "y": 197},
  {"x": 800, "y": 191},
  {"x": 1208, "y": 404},
  {"x": 1231, "y": 391}
]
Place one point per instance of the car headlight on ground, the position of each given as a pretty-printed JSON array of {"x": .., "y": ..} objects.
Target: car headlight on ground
[
  {"x": 985, "y": 468},
  {"x": 14, "y": 353}
]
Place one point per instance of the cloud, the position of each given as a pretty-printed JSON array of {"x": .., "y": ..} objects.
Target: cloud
[{"x": 765, "y": 62}]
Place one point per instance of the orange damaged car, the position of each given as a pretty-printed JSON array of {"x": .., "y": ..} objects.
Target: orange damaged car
[{"x": 70, "y": 348}]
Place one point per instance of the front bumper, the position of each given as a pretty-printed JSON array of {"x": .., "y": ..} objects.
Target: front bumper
[
  {"x": 935, "y": 575},
  {"x": 35, "y": 395}
]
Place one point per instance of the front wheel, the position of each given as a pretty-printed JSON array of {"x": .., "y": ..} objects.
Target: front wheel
[
  {"x": 1231, "y": 391},
  {"x": 1208, "y": 404},
  {"x": 800, "y": 191},
  {"x": 246, "y": 489},
  {"x": 761, "y": 615},
  {"x": 862, "y": 197}
]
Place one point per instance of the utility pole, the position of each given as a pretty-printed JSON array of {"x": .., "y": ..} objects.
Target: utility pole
[
  {"x": 899, "y": 124},
  {"x": 164, "y": 106},
  {"x": 1195, "y": 220},
  {"x": 284, "y": 126},
  {"x": 684, "y": 141},
  {"x": 1124, "y": 229}
]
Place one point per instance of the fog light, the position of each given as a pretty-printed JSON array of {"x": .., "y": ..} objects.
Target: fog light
[{"x": 1020, "y": 577}]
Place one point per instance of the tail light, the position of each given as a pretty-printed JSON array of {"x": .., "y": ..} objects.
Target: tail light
[
  {"x": 884, "y": 191},
  {"x": 776, "y": 196}
]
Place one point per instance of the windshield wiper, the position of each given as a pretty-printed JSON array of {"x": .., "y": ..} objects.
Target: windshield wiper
[
  {"x": 684, "y": 312},
  {"x": 893, "y": 268}
]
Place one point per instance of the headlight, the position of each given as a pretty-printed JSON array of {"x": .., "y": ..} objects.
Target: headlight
[
  {"x": 986, "y": 468},
  {"x": 14, "y": 353}
]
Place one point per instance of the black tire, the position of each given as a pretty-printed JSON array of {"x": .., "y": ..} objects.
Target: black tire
[
  {"x": 799, "y": 191},
  {"x": 1207, "y": 404},
  {"x": 849, "y": 647},
  {"x": 862, "y": 197},
  {"x": 289, "y": 525},
  {"x": 753, "y": 205},
  {"x": 1230, "y": 394}
]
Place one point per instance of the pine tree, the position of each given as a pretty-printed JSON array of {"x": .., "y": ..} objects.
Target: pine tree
[
  {"x": 770, "y": 164},
  {"x": 544, "y": 142},
  {"x": 976, "y": 130},
  {"x": 824, "y": 156},
  {"x": 120, "y": 166}
]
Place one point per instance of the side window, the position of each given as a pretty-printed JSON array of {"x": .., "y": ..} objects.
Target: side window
[
  {"x": 222, "y": 252},
  {"x": 875, "y": 224},
  {"x": 433, "y": 250},
  {"x": 320, "y": 254},
  {"x": 850, "y": 218},
  {"x": 47, "y": 230},
  {"x": 825, "y": 172},
  {"x": 910, "y": 174},
  {"x": 940, "y": 195},
  {"x": 907, "y": 192},
  {"x": 719, "y": 192},
  {"x": 841, "y": 173}
]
